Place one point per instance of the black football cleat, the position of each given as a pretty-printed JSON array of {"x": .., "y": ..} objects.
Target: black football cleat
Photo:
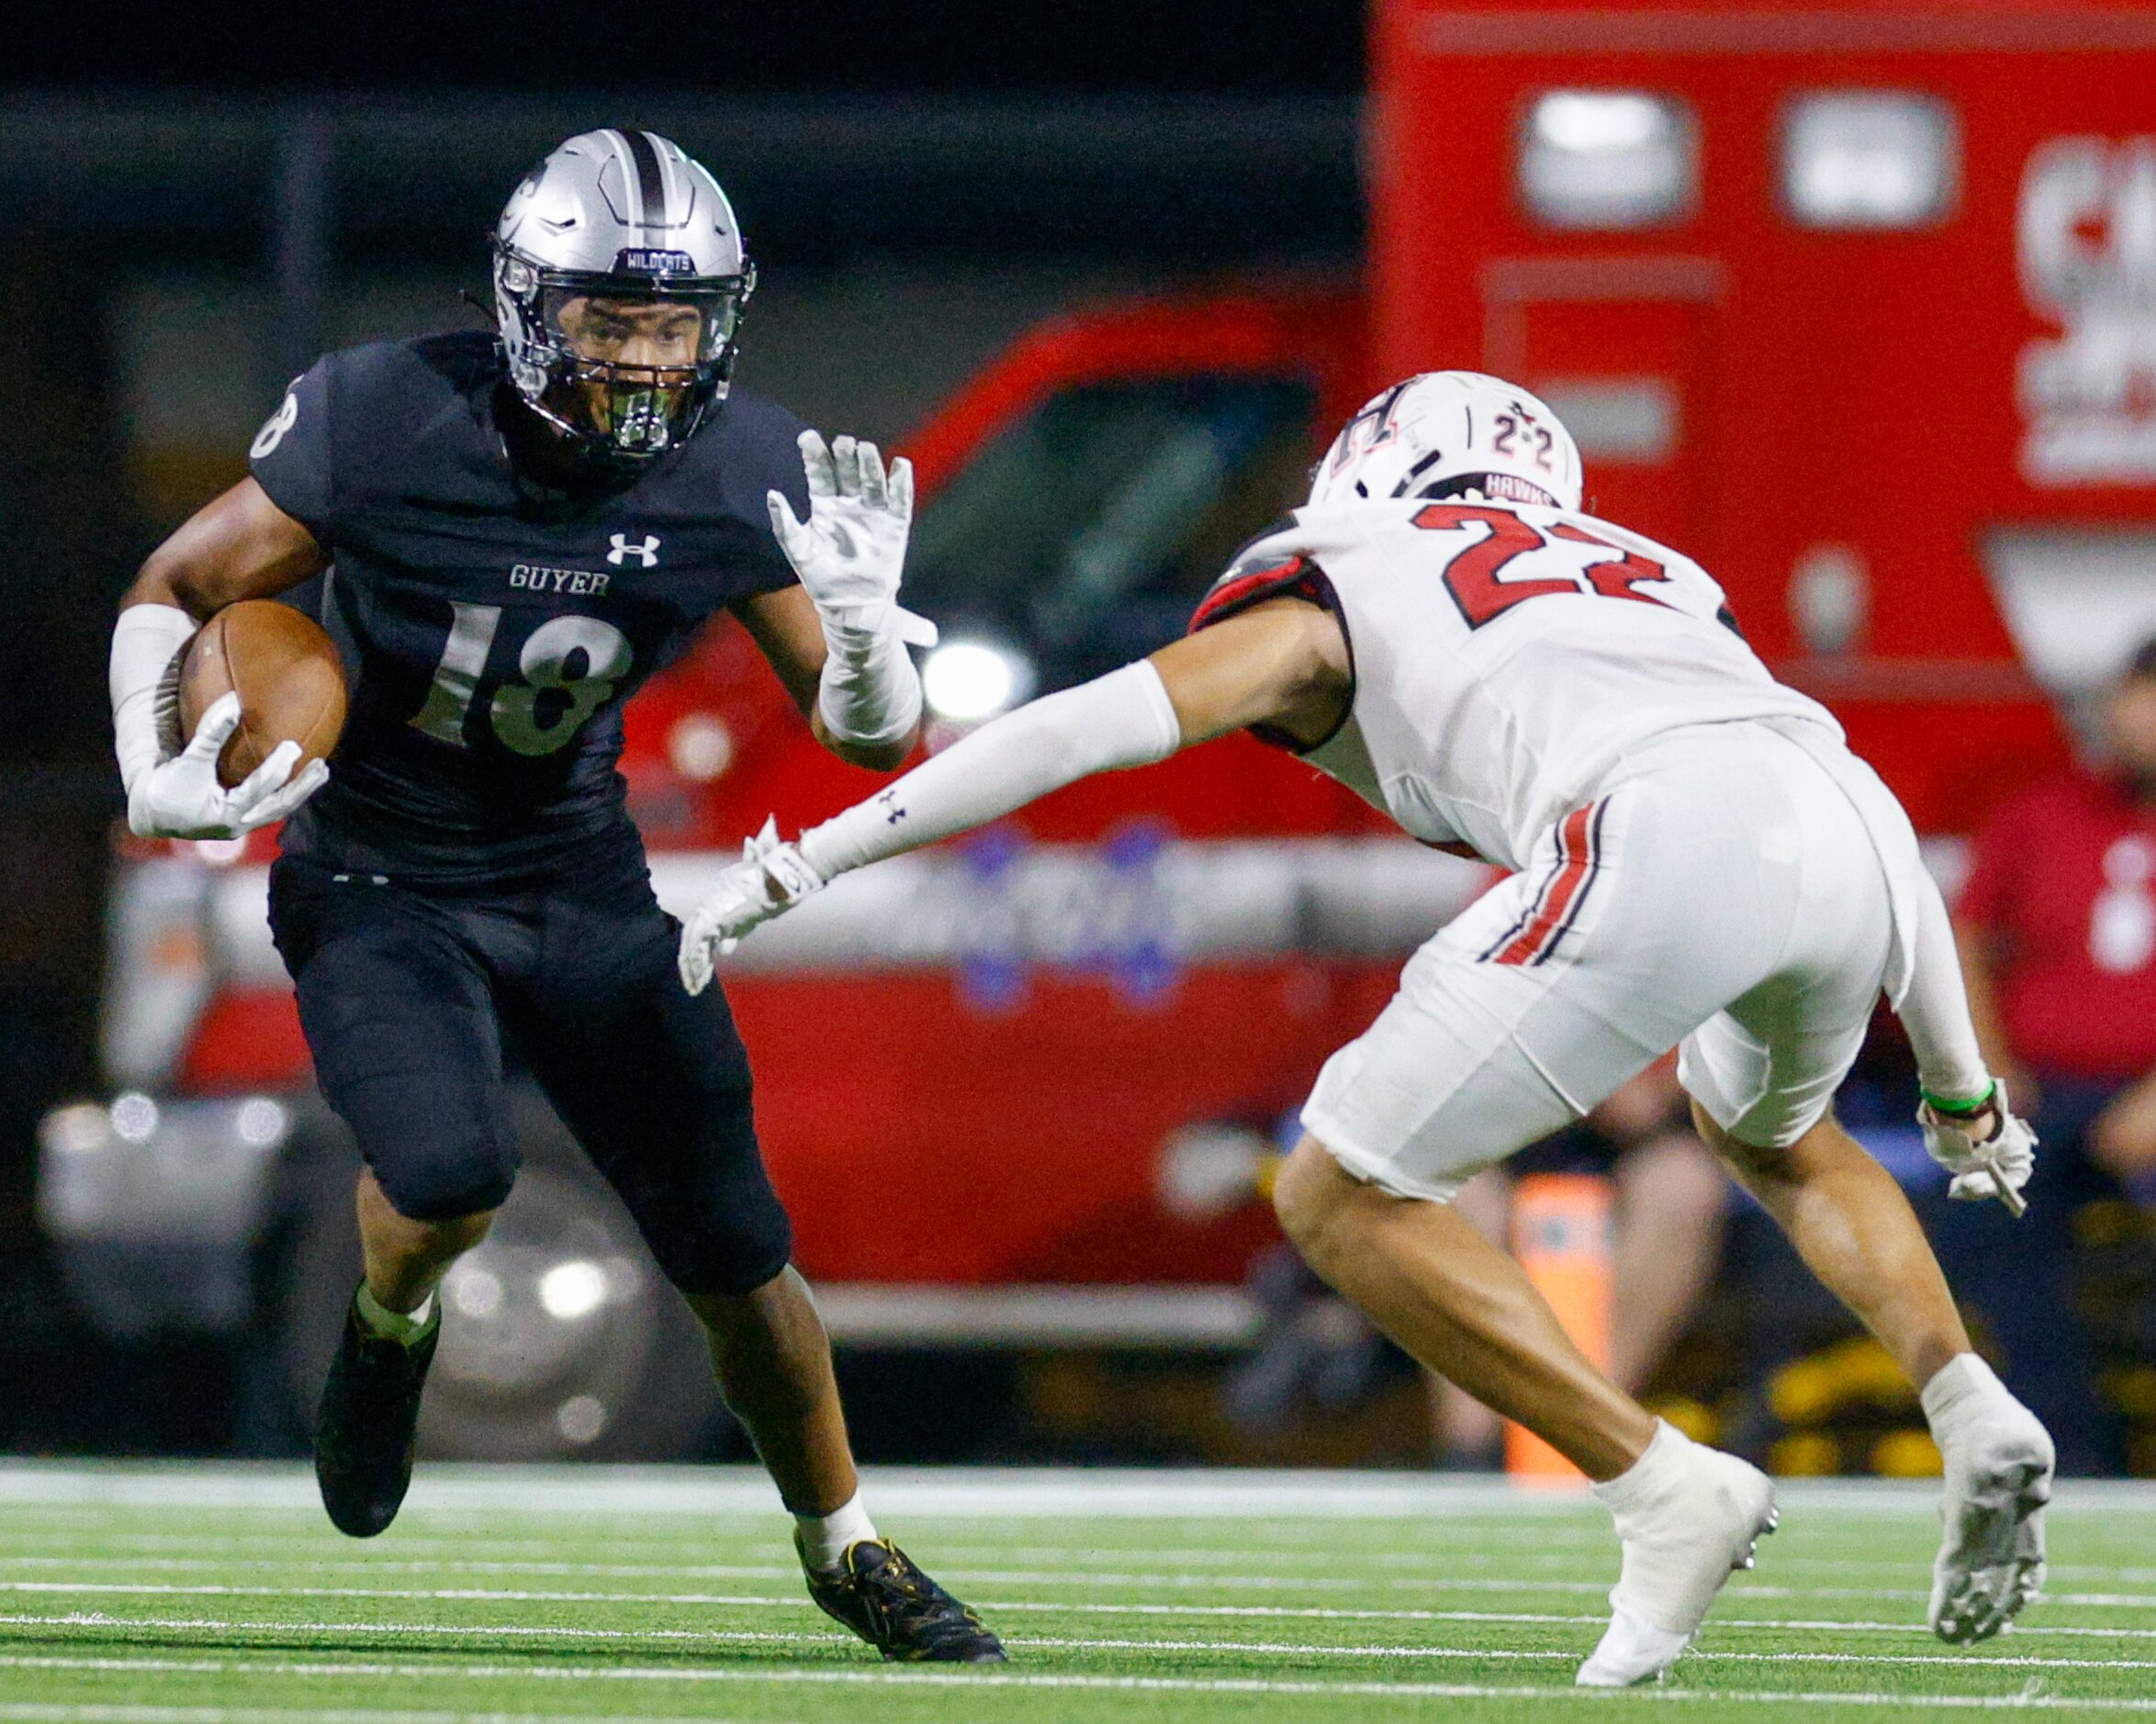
[
  {"x": 366, "y": 1428},
  {"x": 883, "y": 1598}
]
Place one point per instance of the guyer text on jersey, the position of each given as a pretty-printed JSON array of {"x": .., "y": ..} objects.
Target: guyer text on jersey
[{"x": 539, "y": 578}]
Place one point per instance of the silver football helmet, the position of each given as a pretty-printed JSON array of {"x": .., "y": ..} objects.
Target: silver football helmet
[{"x": 619, "y": 282}]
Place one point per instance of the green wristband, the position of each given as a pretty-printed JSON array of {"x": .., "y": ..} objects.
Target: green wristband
[{"x": 1961, "y": 1109}]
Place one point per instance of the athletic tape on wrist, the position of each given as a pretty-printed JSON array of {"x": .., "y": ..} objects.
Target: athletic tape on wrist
[
  {"x": 1960, "y": 1108},
  {"x": 869, "y": 691}
]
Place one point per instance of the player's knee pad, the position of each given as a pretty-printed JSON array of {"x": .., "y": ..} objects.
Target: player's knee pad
[
  {"x": 443, "y": 1175},
  {"x": 453, "y": 1199},
  {"x": 731, "y": 1252},
  {"x": 706, "y": 1207}
]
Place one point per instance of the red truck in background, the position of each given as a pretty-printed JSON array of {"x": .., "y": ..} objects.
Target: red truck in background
[{"x": 1858, "y": 307}]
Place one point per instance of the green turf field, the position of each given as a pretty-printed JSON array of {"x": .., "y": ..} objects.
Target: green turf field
[{"x": 195, "y": 1595}]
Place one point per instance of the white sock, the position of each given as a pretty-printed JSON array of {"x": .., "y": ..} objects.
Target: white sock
[
  {"x": 1685, "y": 1513},
  {"x": 1658, "y": 1475},
  {"x": 395, "y": 1326},
  {"x": 826, "y": 1538},
  {"x": 1962, "y": 1387}
]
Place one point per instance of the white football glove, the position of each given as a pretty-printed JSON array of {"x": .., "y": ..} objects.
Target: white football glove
[
  {"x": 1991, "y": 1155},
  {"x": 769, "y": 881},
  {"x": 851, "y": 550},
  {"x": 180, "y": 796}
]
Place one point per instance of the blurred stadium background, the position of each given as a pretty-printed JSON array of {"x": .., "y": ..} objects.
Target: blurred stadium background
[{"x": 1857, "y": 305}]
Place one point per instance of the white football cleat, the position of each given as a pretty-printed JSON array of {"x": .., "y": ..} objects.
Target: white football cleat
[
  {"x": 1998, "y": 1462},
  {"x": 1689, "y": 1516}
]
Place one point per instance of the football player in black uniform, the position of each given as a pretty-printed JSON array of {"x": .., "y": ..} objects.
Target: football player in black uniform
[{"x": 519, "y": 527}]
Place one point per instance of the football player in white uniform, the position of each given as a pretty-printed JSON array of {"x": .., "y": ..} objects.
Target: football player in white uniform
[{"x": 1701, "y": 863}]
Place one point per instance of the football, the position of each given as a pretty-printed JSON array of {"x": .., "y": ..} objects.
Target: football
[{"x": 285, "y": 671}]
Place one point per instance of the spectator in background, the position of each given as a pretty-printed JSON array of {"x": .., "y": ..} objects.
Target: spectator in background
[
  {"x": 2057, "y": 926},
  {"x": 1669, "y": 1195}
]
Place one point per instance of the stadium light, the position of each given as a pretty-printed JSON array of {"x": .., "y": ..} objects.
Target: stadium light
[
  {"x": 1609, "y": 159},
  {"x": 134, "y": 1117},
  {"x": 261, "y": 1122},
  {"x": 1869, "y": 159},
  {"x": 700, "y": 746},
  {"x": 475, "y": 1291},
  {"x": 572, "y": 1290},
  {"x": 966, "y": 681},
  {"x": 581, "y": 1418}
]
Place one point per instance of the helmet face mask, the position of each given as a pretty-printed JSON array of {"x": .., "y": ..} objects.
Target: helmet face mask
[
  {"x": 619, "y": 285},
  {"x": 628, "y": 368}
]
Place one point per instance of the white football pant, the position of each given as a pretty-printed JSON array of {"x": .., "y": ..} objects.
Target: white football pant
[{"x": 1719, "y": 892}]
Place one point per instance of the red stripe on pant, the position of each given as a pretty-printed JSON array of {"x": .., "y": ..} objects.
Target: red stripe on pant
[{"x": 1575, "y": 844}]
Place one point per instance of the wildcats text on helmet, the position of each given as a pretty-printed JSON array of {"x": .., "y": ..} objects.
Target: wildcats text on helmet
[{"x": 637, "y": 261}]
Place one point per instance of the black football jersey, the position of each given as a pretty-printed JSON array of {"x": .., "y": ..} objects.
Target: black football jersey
[{"x": 492, "y": 630}]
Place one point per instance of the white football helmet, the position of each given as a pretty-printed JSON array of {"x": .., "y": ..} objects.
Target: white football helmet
[{"x": 1445, "y": 434}]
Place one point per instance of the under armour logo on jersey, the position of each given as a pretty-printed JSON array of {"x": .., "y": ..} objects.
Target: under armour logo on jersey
[{"x": 646, "y": 554}]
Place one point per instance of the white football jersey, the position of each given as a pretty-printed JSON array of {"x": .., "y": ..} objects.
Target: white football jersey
[{"x": 1506, "y": 656}]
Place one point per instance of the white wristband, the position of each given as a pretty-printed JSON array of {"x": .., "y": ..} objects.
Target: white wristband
[
  {"x": 146, "y": 640},
  {"x": 869, "y": 691},
  {"x": 1124, "y": 719}
]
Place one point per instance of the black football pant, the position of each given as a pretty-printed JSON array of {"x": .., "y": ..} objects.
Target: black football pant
[{"x": 405, "y": 995}]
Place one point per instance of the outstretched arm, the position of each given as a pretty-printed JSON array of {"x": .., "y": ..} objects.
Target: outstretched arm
[
  {"x": 1249, "y": 670},
  {"x": 1284, "y": 663},
  {"x": 1124, "y": 719}
]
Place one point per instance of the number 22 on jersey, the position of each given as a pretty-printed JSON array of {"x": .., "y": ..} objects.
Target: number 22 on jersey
[
  {"x": 539, "y": 714},
  {"x": 1472, "y": 577}
]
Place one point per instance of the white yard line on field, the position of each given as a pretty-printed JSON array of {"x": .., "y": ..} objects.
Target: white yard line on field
[
  {"x": 207, "y": 1625},
  {"x": 873, "y": 1678},
  {"x": 1005, "y": 1494},
  {"x": 1021, "y": 1577},
  {"x": 1572, "y": 1655},
  {"x": 1069, "y": 1560},
  {"x": 1407, "y": 1539},
  {"x": 487, "y": 1553},
  {"x": 791, "y": 1601},
  {"x": 1020, "y": 1493},
  {"x": 49, "y": 1712},
  {"x": 1297, "y": 1649}
]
